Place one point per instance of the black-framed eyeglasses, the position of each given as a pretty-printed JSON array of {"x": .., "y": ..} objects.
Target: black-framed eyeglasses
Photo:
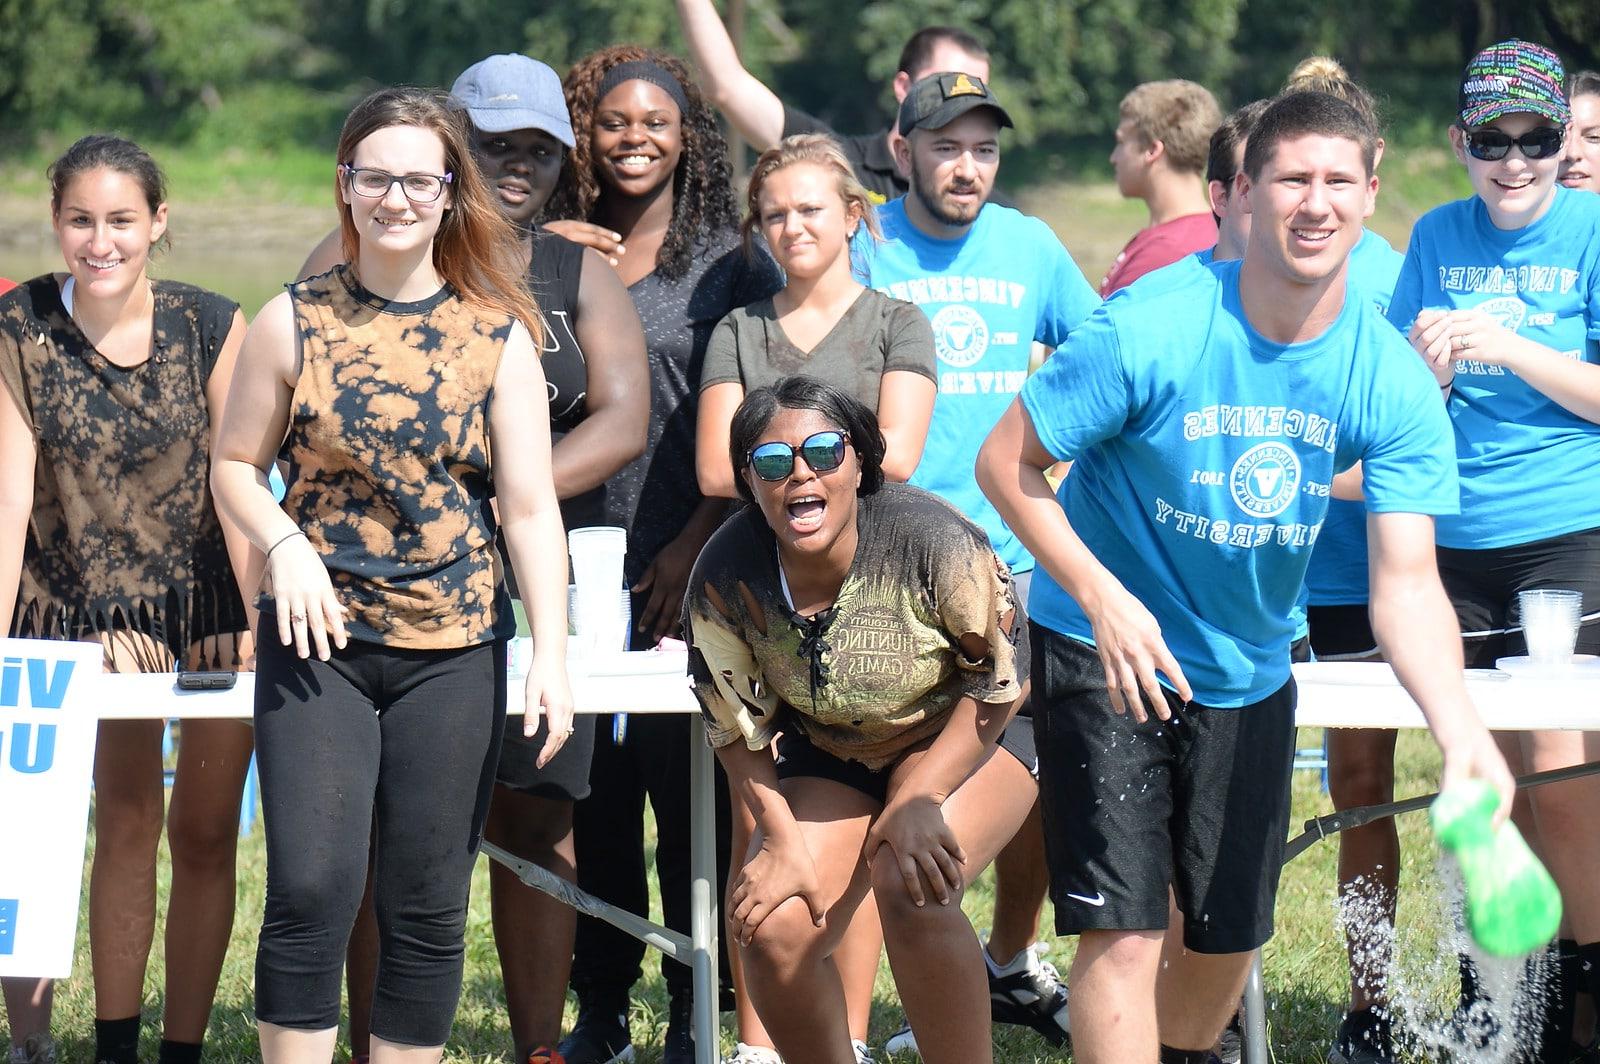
[
  {"x": 1491, "y": 145},
  {"x": 375, "y": 184},
  {"x": 822, "y": 451}
]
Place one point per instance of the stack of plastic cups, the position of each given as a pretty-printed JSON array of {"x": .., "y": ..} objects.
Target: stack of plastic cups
[
  {"x": 1550, "y": 622},
  {"x": 599, "y": 624}
]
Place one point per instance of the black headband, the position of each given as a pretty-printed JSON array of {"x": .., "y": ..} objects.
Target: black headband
[{"x": 645, "y": 70}]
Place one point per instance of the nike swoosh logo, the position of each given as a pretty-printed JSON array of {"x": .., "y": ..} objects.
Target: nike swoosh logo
[{"x": 1098, "y": 900}]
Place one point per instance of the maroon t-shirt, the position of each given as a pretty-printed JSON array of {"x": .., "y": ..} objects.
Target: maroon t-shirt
[{"x": 1159, "y": 245}]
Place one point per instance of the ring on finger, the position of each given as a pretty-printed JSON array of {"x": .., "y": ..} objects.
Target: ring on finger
[{"x": 297, "y": 618}]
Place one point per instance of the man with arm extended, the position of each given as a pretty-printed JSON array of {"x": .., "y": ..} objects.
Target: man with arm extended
[
  {"x": 763, "y": 119},
  {"x": 1206, "y": 413}
]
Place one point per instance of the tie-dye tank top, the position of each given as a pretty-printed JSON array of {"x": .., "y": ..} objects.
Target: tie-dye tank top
[{"x": 388, "y": 451}]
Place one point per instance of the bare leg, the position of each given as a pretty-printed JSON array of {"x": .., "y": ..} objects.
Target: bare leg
[
  {"x": 1196, "y": 995},
  {"x": 122, "y": 880},
  {"x": 857, "y": 958},
  {"x": 385, "y": 1052},
  {"x": 28, "y": 1003},
  {"x": 933, "y": 951},
  {"x": 789, "y": 967},
  {"x": 533, "y": 932},
  {"x": 1021, "y": 880},
  {"x": 742, "y": 827},
  {"x": 202, "y": 834},
  {"x": 1564, "y": 815},
  {"x": 1113, "y": 1003},
  {"x": 286, "y": 1045},
  {"x": 1361, "y": 772}
]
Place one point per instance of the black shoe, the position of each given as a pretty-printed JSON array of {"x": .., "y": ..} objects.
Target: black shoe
[
  {"x": 599, "y": 1037},
  {"x": 679, "y": 1045},
  {"x": 1363, "y": 1038},
  {"x": 1033, "y": 996}
]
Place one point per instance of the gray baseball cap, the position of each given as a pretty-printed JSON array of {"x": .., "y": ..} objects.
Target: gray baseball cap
[{"x": 507, "y": 92}]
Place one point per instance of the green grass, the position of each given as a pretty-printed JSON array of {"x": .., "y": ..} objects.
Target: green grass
[{"x": 1305, "y": 967}]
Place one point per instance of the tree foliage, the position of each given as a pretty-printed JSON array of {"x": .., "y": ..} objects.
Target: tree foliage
[{"x": 262, "y": 71}]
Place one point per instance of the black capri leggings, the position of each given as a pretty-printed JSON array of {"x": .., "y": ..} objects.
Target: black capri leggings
[{"x": 408, "y": 738}]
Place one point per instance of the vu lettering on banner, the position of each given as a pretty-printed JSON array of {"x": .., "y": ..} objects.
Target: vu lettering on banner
[{"x": 47, "y": 735}]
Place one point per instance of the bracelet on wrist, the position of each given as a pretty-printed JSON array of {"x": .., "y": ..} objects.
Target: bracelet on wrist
[{"x": 282, "y": 541}]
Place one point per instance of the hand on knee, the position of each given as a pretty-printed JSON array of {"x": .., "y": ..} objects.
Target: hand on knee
[
  {"x": 786, "y": 939},
  {"x": 895, "y": 902}
]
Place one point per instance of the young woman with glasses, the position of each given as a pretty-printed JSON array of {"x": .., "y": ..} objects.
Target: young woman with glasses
[
  {"x": 873, "y": 625},
  {"x": 114, "y": 383},
  {"x": 390, "y": 383},
  {"x": 1500, "y": 294}
]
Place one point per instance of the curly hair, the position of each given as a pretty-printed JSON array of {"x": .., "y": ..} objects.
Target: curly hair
[{"x": 702, "y": 185}]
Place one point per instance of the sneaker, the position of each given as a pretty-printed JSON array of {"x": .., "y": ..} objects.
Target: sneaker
[
  {"x": 1028, "y": 992},
  {"x": 748, "y": 1054},
  {"x": 679, "y": 1045},
  {"x": 863, "y": 1052},
  {"x": 1363, "y": 1037},
  {"x": 902, "y": 1043},
  {"x": 35, "y": 1049},
  {"x": 599, "y": 1037},
  {"x": 544, "y": 1055},
  {"x": 1230, "y": 1044}
]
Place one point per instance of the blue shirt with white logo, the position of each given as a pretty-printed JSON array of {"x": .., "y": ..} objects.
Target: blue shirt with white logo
[
  {"x": 990, "y": 294},
  {"x": 1338, "y": 572},
  {"x": 1524, "y": 458},
  {"x": 1203, "y": 455}
]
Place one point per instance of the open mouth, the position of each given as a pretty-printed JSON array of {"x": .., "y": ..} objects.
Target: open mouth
[
  {"x": 1513, "y": 184},
  {"x": 513, "y": 191},
  {"x": 805, "y": 513},
  {"x": 1313, "y": 237},
  {"x": 1575, "y": 178},
  {"x": 393, "y": 224},
  {"x": 101, "y": 265},
  {"x": 633, "y": 163}
]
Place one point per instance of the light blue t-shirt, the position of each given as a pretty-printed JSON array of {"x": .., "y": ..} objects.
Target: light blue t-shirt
[
  {"x": 1526, "y": 461},
  {"x": 990, "y": 295},
  {"x": 1338, "y": 575},
  {"x": 1203, "y": 455}
]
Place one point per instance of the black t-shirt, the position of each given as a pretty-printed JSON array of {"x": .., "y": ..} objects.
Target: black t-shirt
[
  {"x": 868, "y": 153},
  {"x": 554, "y": 275},
  {"x": 654, "y": 495}
]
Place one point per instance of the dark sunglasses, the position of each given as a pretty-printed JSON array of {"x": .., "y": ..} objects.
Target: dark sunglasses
[
  {"x": 1493, "y": 144},
  {"x": 821, "y": 450}
]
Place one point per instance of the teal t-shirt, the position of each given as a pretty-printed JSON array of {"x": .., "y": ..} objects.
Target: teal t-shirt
[
  {"x": 989, "y": 295},
  {"x": 1203, "y": 454},
  {"x": 1525, "y": 460}
]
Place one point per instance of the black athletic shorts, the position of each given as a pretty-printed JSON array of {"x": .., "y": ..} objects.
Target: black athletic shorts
[
  {"x": 1483, "y": 586},
  {"x": 565, "y": 778},
  {"x": 1199, "y": 803},
  {"x": 797, "y": 757},
  {"x": 1341, "y": 633}
]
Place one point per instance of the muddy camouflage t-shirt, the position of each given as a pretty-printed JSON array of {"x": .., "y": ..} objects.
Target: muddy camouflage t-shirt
[
  {"x": 880, "y": 670},
  {"x": 388, "y": 452}
]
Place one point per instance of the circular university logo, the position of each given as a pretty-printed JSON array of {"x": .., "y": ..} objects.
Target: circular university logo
[
  {"x": 960, "y": 335},
  {"x": 1265, "y": 479}
]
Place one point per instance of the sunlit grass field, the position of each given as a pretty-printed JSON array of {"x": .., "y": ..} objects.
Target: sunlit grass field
[{"x": 1305, "y": 967}]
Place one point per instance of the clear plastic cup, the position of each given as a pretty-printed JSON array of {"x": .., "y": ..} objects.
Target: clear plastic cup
[
  {"x": 1550, "y": 620},
  {"x": 597, "y": 555}
]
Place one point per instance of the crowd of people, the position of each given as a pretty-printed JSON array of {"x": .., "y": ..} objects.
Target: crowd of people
[{"x": 946, "y": 607}]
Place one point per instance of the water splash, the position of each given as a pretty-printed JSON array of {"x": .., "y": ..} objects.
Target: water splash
[{"x": 1429, "y": 1021}]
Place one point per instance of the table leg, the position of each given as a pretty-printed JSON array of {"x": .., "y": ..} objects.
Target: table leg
[
  {"x": 704, "y": 892},
  {"x": 1255, "y": 1016}
]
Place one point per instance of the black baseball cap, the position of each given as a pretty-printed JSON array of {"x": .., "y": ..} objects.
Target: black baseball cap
[{"x": 939, "y": 99}]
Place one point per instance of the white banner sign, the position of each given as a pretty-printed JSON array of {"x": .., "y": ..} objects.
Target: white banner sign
[{"x": 47, "y": 730}]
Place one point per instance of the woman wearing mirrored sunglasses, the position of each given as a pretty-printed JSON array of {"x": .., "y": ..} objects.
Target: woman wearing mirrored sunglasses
[
  {"x": 873, "y": 625},
  {"x": 1500, "y": 293}
]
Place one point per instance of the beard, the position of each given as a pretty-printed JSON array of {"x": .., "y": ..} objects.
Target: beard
[{"x": 933, "y": 202}]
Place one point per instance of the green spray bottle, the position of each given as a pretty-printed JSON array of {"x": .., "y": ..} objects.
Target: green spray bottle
[{"x": 1512, "y": 906}]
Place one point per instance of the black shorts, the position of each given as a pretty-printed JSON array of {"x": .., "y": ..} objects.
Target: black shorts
[
  {"x": 1341, "y": 633},
  {"x": 1199, "y": 803},
  {"x": 565, "y": 778},
  {"x": 797, "y": 757},
  {"x": 1483, "y": 586}
]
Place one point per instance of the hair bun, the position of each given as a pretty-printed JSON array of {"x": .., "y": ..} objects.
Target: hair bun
[{"x": 1316, "y": 67}]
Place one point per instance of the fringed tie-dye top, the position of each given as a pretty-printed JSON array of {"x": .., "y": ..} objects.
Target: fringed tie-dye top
[
  {"x": 388, "y": 452},
  {"x": 122, "y": 534}
]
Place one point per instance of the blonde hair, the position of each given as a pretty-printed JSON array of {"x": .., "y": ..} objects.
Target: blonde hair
[
  {"x": 476, "y": 250},
  {"x": 1182, "y": 115},
  {"x": 1322, "y": 73},
  {"x": 818, "y": 149}
]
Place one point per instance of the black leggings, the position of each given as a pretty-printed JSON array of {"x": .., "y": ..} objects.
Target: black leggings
[{"x": 406, "y": 738}]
